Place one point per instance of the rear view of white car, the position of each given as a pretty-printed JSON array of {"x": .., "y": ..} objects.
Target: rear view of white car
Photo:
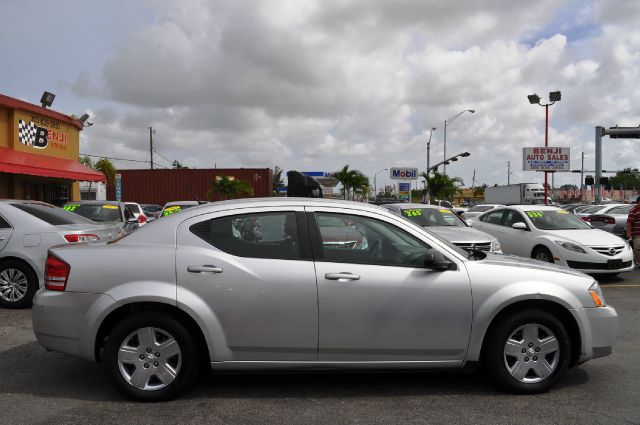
[{"x": 27, "y": 230}]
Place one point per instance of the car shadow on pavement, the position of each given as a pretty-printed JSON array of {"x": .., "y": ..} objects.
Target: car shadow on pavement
[{"x": 29, "y": 369}]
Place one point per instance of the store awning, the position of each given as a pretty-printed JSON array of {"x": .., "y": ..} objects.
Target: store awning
[{"x": 12, "y": 161}]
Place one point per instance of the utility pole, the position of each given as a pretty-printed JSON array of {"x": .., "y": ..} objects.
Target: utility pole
[
  {"x": 151, "y": 144},
  {"x": 582, "y": 179},
  {"x": 508, "y": 173}
]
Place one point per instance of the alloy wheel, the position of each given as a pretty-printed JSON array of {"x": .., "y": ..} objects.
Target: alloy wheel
[{"x": 13, "y": 285}]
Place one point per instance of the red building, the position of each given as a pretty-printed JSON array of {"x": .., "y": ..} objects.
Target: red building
[{"x": 160, "y": 186}]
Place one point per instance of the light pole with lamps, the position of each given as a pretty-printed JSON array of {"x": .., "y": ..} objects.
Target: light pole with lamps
[
  {"x": 429, "y": 157},
  {"x": 447, "y": 122},
  {"x": 534, "y": 99},
  {"x": 375, "y": 183}
]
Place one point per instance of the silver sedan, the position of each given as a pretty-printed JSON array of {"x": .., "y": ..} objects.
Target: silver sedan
[{"x": 194, "y": 288}]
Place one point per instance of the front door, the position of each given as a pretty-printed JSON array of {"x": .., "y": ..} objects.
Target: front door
[
  {"x": 249, "y": 276},
  {"x": 376, "y": 300}
]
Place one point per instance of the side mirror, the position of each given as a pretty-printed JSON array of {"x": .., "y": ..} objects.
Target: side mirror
[
  {"x": 434, "y": 260},
  {"x": 519, "y": 225}
]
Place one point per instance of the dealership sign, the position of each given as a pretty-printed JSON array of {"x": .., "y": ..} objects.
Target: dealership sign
[
  {"x": 404, "y": 173},
  {"x": 546, "y": 159},
  {"x": 40, "y": 132}
]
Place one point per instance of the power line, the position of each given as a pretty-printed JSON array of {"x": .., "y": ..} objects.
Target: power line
[
  {"x": 122, "y": 159},
  {"x": 161, "y": 156}
]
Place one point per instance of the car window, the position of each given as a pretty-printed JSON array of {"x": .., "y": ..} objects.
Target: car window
[
  {"x": 365, "y": 240},
  {"x": 260, "y": 235},
  {"x": 513, "y": 217},
  {"x": 134, "y": 208},
  {"x": 623, "y": 209},
  {"x": 432, "y": 217},
  {"x": 494, "y": 217},
  {"x": 96, "y": 212},
  {"x": 555, "y": 220},
  {"x": 4, "y": 224},
  {"x": 51, "y": 214}
]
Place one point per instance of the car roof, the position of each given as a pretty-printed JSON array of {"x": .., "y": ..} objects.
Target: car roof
[
  {"x": 414, "y": 205},
  {"x": 534, "y": 207}
]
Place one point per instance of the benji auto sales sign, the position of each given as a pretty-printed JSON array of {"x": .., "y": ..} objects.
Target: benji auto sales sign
[{"x": 546, "y": 159}]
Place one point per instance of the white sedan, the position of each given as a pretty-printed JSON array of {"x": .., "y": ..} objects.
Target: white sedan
[{"x": 556, "y": 236}]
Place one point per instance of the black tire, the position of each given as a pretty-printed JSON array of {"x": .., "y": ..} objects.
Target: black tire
[
  {"x": 159, "y": 328},
  {"x": 533, "y": 371},
  {"x": 18, "y": 284},
  {"x": 542, "y": 253}
]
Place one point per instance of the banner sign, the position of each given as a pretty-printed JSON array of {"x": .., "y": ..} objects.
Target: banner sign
[
  {"x": 546, "y": 159},
  {"x": 118, "y": 187}
]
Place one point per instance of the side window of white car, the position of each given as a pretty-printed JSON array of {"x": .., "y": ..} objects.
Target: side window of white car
[
  {"x": 513, "y": 217},
  {"x": 355, "y": 239},
  {"x": 494, "y": 217},
  {"x": 259, "y": 235}
]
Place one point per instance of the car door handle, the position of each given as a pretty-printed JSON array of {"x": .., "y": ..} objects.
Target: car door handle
[
  {"x": 204, "y": 269},
  {"x": 341, "y": 276}
]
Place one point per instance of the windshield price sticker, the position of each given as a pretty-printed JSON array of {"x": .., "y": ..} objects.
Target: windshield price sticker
[
  {"x": 110, "y": 207},
  {"x": 412, "y": 213},
  {"x": 71, "y": 207},
  {"x": 171, "y": 210},
  {"x": 562, "y": 212},
  {"x": 446, "y": 211},
  {"x": 535, "y": 214}
]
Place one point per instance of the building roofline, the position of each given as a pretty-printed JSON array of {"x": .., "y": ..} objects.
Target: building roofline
[{"x": 14, "y": 103}]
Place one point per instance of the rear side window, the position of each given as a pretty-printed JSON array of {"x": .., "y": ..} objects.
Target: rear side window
[
  {"x": 262, "y": 235},
  {"x": 51, "y": 214},
  {"x": 4, "y": 224}
]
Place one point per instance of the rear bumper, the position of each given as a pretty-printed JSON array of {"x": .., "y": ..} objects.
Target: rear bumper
[{"x": 67, "y": 322}]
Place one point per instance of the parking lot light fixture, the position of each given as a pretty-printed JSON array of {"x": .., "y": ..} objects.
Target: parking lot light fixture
[{"x": 446, "y": 123}]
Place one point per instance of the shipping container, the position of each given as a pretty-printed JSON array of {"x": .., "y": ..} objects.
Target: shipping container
[{"x": 160, "y": 186}]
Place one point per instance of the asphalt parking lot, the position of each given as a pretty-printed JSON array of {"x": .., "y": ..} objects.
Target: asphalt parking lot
[{"x": 37, "y": 387}]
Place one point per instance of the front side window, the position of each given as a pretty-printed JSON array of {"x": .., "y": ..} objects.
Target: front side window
[
  {"x": 349, "y": 238},
  {"x": 556, "y": 220},
  {"x": 259, "y": 235},
  {"x": 513, "y": 217},
  {"x": 432, "y": 217}
]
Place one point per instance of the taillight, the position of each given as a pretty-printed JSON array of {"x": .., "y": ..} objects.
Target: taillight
[
  {"x": 610, "y": 220},
  {"x": 56, "y": 273},
  {"x": 585, "y": 219},
  {"x": 142, "y": 219},
  {"x": 81, "y": 237}
]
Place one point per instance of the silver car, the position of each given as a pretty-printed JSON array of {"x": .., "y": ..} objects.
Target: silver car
[
  {"x": 27, "y": 230},
  {"x": 193, "y": 289},
  {"x": 445, "y": 223}
]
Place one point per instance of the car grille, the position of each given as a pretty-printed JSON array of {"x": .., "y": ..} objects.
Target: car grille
[
  {"x": 480, "y": 246},
  {"x": 608, "y": 250},
  {"x": 598, "y": 266}
]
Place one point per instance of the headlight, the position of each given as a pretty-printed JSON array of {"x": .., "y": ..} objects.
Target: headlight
[
  {"x": 571, "y": 247},
  {"x": 495, "y": 247},
  {"x": 596, "y": 295}
]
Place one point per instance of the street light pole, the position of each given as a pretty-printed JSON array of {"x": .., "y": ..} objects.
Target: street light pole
[
  {"x": 429, "y": 157},
  {"x": 375, "y": 183},
  {"x": 447, "y": 122}
]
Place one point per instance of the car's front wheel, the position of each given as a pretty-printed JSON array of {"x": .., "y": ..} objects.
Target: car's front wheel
[
  {"x": 151, "y": 357},
  {"x": 528, "y": 352},
  {"x": 542, "y": 253}
]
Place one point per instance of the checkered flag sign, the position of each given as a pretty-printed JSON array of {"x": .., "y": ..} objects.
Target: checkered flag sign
[{"x": 31, "y": 135}]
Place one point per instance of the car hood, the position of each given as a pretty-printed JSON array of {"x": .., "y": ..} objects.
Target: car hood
[
  {"x": 586, "y": 237},
  {"x": 526, "y": 263},
  {"x": 457, "y": 234}
]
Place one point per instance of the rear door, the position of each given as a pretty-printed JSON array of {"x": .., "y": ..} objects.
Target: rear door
[{"x": 249, "y": 275}]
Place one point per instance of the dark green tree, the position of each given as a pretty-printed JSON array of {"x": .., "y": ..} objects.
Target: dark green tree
[{"x": 226, "y": 188}]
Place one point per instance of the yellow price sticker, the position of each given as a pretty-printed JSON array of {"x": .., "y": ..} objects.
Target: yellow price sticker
[
  {"x": 412, "y": 213},
  {"x": 171, "y": 210},
  {"x": 110, "y": 207},
  {"x": 562, "y": 212},
  {"x": 71, "y": 207},
  {"x": 446, "y": 211},
  {"x": 535, "y": 214}
]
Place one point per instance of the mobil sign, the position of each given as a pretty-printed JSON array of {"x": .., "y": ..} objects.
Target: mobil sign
[{"x": 404, "y": 173}]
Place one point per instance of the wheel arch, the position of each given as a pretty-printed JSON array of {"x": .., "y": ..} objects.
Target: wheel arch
[
  {"x": 538, "y": 245},
  {"x": 559, "y": 311},
  {"x": 114, "y": 317},
  {"x": 21, "y": 260}
]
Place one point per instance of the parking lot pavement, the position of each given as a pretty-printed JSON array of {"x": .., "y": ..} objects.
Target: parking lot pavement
[{"x": 37, "y": 387}]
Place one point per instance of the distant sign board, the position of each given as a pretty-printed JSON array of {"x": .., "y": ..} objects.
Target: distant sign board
[
  {"x": 546, "y": 159},
  {"x": 404, "y": 173},
  {"x": 316, "y": 173},
  {"x": 118, "y": 187},
  {"x": 404, "y": 191}
]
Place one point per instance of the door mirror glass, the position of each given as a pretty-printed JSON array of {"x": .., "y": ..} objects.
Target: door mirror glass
[
  {"x": 434, "y": 260},
  {"x": 519, "y": 225}
]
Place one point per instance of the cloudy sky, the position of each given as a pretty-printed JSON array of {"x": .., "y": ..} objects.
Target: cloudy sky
[{"x": 313, "y": 85}]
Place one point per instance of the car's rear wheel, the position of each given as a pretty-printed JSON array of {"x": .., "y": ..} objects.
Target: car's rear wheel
[
  {"x": 542, "y": 253},
  {"x": 528, "y": 352},
  {"x": 151, "y": 357},
  {"x": 18, "y": 284}
]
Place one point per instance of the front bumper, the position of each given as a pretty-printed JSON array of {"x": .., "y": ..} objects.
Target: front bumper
[
  {"x": 67, "y": 322},
  {"x": 595, "y": 263},
  {"x": 599, "y": 329}
]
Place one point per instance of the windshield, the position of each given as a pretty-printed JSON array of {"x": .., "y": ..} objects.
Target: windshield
[
  {"x": 555, "y": 220},
  {"x": 432, "y": 217},
  {"x": 480, "y": 208},
  {"x": 96, "y": 212},
  {"x": 51, "y": 214}
]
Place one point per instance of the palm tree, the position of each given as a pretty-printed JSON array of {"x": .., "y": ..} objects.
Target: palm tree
[
  {"x": 441, "y": 186},
  {"x": 107, "y": 168},
  {"x": 359, "y": 185},
  {"x": 226, "y": 188},
  {"x": 345, "y": 177},
  {"x": 278, "y": 182}
]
